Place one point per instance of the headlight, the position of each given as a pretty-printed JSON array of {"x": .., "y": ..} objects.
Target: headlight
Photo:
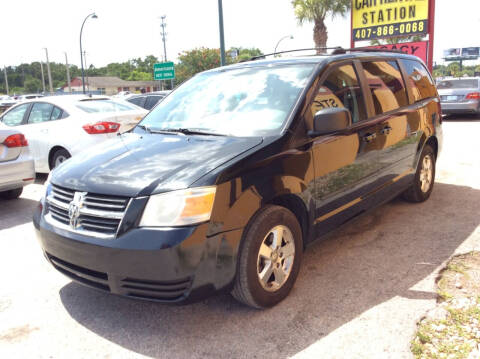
[{"x": 179, "y": 208}]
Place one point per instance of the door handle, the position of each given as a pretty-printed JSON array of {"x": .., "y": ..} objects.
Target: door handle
[
  {"x": 386, "y": 130},
  {"x": 369, "y": 137}
]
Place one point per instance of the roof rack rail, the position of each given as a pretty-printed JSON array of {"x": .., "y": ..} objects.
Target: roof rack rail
[
  {"x": 341, "y": 50},
  {"x": 296, "y": 50},
  {"x": 337, "y": 50}
]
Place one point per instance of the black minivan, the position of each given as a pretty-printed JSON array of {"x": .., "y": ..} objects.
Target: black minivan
[{"x": 225, "y": 182}]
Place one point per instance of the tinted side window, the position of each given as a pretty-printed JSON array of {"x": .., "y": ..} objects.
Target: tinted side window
[
  {"x": 386, "y": 84},
  {"x": 419, "y": 80},
  {"x": 151, "y": 101},
  {"x": 137, "y": 101},
  {"x": 341, "y": 89},
  {"x": 14, "y": 117},
  {"x": 40, "y": 112},
  {"x": 56, "y": 114}
]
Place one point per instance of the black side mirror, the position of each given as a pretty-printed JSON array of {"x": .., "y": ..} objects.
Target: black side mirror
[{"x": 330, "y": 120}]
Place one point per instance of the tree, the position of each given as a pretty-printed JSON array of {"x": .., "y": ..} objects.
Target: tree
[
  {"x": 32, "y": 85},
  {"x": 194, "y": 61},
  {"x": 316, "y": 11}
]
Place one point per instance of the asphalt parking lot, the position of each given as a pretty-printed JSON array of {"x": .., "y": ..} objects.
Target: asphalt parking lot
[{"x": 359, "y": 293}]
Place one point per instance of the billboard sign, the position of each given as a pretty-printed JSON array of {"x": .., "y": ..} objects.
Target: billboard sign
[
  {"x": 377, "y": 19},
  {"x": 419, "y": 49},
  {"x": 471, "y": 52},
  {"x": 448, "y": 53}
]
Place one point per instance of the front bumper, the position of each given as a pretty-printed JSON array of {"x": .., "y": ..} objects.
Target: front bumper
[
  {"x": 460, "y": 107},
  {"x": 168, "y": 265}
]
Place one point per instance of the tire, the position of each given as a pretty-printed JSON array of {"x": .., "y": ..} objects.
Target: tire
[
  {"x": 424, "y": 179},
  {"x": 249, "y": 288},
  {"x": 11, "y": 194},
  {"x": 58, "y": 157}
]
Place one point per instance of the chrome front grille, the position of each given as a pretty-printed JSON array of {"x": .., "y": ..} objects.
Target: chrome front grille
[{"x": 98, "y": 215}]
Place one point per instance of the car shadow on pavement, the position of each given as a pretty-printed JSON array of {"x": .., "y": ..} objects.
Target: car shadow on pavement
[
  {"x": 379, "y": 256},
  {"x": 15, "y": 212}
]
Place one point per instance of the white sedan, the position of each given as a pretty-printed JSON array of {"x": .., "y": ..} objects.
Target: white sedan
[
  {"x": 58, "y": 127},
  {"x": 16, "y": 164}
]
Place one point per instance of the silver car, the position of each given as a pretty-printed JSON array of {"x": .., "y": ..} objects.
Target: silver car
[
  {"x": 460, "y": 95},
  {"x": 16, "y": 164}
]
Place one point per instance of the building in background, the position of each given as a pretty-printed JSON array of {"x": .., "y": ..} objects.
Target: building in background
[{"x": 110, "y": 85}]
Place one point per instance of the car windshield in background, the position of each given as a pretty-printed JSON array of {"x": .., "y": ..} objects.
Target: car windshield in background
[
  {"x": 94, "y": 106},
  {"x": 238, "y": 102},
  {"x": 457, "y": 84}
]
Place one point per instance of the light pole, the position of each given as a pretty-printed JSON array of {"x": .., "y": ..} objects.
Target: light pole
[
  {"x": 43, "y": 76},
  {"x": 48, "y": 72},
  {"x": 68, "y": 74},
  {"x": 279, "y": 41},
  {"x": 222, "y": 38},
  {"x": 94, "y": 16},
  {"x": 6, "y": 79}
]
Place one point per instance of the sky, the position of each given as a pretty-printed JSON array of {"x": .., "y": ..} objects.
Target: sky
[{"x": 131, "y": 29}]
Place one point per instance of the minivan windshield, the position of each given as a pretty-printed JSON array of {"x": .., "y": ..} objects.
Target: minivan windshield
[
  {"x": 237, "y": 102},
  {"x": 457, "y": 84}
]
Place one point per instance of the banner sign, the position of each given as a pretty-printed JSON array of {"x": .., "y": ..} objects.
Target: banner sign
[
  {"x": 376, "y": 19},
  {"x": 418, "y": 49}
]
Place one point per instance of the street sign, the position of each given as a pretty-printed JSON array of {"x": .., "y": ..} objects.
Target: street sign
[
  {"x": 164, "y": 71},
  {"x": 372, "y": 19}
]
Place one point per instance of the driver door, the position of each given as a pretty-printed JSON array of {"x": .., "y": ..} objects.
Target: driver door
[{"x": 346, "y": 165}]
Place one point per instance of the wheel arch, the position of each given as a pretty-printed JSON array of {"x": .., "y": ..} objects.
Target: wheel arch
[{"x": 52, "y": 152}]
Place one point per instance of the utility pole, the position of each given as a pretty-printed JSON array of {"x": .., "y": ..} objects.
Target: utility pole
[
  {"x": 163, "y": 25},
  {"x": 222, "y": 39},
  {"x": 6, "y": 78},
  {"x": 43, "y": 77},
  {"x": 49, "y": 73},
  {"x": 68, "y": 73},
  {"x": 86, "y": 69}
]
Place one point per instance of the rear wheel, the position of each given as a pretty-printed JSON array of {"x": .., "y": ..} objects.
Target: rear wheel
[
  {"x": 424, "y": 179},
  {"x": 58, "y": 157},
  {"x": 11, "y": 194},
  {"x": 269, "y": 258}
]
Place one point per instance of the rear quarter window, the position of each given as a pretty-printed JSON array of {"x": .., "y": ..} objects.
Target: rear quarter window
[{"x": 419, "y": 80}]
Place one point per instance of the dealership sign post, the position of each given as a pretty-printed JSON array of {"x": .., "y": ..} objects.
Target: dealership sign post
[{"x": 380, "y": 19}]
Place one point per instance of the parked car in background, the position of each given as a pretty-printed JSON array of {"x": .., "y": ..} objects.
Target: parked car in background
[
  {"x": 30, "y": 96},
  {"x": 16, "y": 163},
  {"x": 147, "y": 100},
  {"x": 226, "y": 181},
  {"x": 6, "y": 102},
  {"x": 460, "y": 95},
  {"x": 58, "y": 127}
]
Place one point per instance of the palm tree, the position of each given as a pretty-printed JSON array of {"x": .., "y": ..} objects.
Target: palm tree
[{"x": 316, "y": 11}]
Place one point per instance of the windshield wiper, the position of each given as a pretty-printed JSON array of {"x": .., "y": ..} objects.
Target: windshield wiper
[
  {"x": 145, "y": 128},
  {"x": 189, "y": 131}
]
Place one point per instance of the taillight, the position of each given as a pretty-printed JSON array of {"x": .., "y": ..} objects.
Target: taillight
[
  {"x": 102, "y": 127},
  {"x": 473, "y": 96},
  {"x": 16, "y": 140}
]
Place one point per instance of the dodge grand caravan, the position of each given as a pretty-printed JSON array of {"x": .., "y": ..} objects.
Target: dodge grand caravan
[{"x": 225, "y": 182}]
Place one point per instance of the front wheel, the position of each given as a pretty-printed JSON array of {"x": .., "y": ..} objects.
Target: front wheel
[
  {"x": 58, "y": 157},
  {"x": 269, "y": 258},
  {"x": 424, "y": 179}
]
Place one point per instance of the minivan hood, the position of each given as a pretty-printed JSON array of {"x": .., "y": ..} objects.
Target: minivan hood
[{"x": 136, "y": 165}]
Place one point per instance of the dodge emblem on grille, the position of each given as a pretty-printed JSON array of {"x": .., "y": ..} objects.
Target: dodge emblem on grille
[{"x": 74, "y": 208}]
